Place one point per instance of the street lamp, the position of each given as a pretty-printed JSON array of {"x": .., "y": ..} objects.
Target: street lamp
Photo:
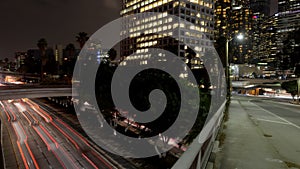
[
  {"x": 298, "y": 88},
  {"x": 239, "y": 37}
]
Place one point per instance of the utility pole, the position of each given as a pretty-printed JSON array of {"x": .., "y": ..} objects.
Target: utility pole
[{"x": 298, "y": 88}]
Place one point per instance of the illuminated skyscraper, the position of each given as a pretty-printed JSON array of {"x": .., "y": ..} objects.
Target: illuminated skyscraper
[
  {"x": 287, "y": 25},
  {"x": 222, "y": 16},
  {"x": 260, "y": 7},
  {"x": 267, "y": 41},
  {"x": 261, "y": 12},
  {"x": 279, "y": 38},
  {"x": 222, "y": 27},
  {"x": 240, "y": 23},
  {"x": 157, "y": 31},
  {"x": 20, "y": 59},
  {"x": 288, "y": 5}
]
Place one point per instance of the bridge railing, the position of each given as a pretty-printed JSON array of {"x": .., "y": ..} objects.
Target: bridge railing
[{"x": 197, "y": 154}]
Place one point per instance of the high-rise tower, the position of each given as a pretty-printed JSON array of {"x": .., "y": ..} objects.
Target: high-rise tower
[
  {"x": 287, "y": 31},
  {"x": 261, "y": 12},
  {"x": 157, "y": 31},
  {"x": 240, "y": 23}
]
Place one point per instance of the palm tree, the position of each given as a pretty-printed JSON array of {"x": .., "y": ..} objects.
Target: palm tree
[
  {"x": 81, "y": 38},
  {"x": 112, "y": 54},
  {"x": 42, "y": 45}
]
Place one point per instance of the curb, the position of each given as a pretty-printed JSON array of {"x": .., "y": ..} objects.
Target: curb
[{"x": 214, "y": 158}]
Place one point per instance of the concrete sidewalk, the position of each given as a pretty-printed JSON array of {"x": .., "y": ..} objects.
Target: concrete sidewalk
[{"x": 245, "y": 146}]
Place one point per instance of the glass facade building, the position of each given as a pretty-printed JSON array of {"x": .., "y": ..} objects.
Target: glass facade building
[
  {"x": 159, "y": 30},
  {"x": 240, "y": 23}
]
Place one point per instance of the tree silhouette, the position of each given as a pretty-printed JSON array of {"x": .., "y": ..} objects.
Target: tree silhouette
[
  {"x": 81, "y": 38},
  {"x": 112, "y": 53},
  {"x": 290, "y": 87}
]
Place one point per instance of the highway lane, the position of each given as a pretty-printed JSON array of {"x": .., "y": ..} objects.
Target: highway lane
[
  {"x": 92, "y": 159},
  {"x": 67, "y": 155},
  {"x": 52, "y": 145},
  {"x": 280, "y": 123},
  {"x": 83, "y": 146},
  {"x": 37, "y": 147},
  {"x": 90, "y": 150},
  {"x": 290, "y": 113},
  {"x": 26, "y": 153},
  {"x": 28, "y": 126},
  {"x": 9, "y": 114},
  {"x": 11, "y": 156}
]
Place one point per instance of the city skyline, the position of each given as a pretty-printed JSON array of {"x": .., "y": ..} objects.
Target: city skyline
[
  {"x": 22, "y": 25},
  {"x": 161, "y": 84}
]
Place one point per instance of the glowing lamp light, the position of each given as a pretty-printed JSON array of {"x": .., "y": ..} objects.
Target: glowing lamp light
[{"x": 240, "y": 36}]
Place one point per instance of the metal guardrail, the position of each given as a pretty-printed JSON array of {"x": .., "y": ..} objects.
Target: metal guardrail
[{"x": 197, "y": 154}]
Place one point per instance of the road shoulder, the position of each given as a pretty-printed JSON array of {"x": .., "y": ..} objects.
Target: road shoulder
[{"x": 245, "y": 146}]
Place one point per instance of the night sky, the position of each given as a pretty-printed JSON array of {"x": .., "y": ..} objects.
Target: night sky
[{"x": 24, "y": 22}]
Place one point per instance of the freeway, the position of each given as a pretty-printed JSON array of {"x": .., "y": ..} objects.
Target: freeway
[
  {"x": 30, "y": 147},
  {"x": 95, "y": 153},
  {"x": 45, "y": 140},
  {"x": 52, "y": 145},
  {"x": 83, "y": 147},
  {"x": 279, "y": 122},
  {"x": 25, "y": 151}
]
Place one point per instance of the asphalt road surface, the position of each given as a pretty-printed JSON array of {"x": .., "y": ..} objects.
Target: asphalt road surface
[
  {"x": 45, "y": 141},
  {"x": 280, "y": 123}
]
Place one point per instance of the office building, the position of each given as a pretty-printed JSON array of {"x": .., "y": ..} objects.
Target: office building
[
  {"x": 267, "y": 43},
  {"x": 261, "y": 12},
  {"x": 288, "y": 5},
  {"x": 222, "y": 27},
  {"x": 157, "y": 31},
  {"x": 58, "y": 54},
  {"x": 222, "y": 16},
  {"x": 287, "y": 24},
  {"x": 20, "y": 59},
  {"x": 240, "y": 22}
]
